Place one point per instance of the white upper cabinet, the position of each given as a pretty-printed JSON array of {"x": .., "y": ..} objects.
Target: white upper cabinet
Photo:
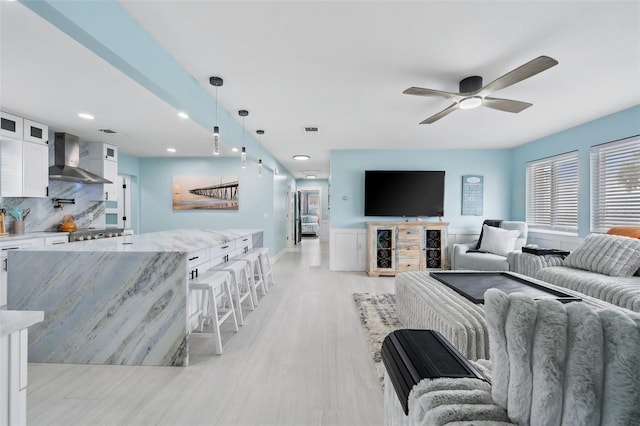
[
  {"x": 103, "y": 161},
  {"x": 10, "y": 167},
  {"x": 35, "y": 169},
  {"x": 24, "y": 157},
  {"x": 11, "y": 125},
  {"x": 35, "y": 132}
]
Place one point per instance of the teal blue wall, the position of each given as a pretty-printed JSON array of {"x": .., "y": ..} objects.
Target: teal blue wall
[
  {"x": 318, "y": 183},
  {"x": 616, "y": 126},
  {"x": 262, "y": 201},
  {"x": 503, "y": 171},
  {"x": 347, "y": 182}
]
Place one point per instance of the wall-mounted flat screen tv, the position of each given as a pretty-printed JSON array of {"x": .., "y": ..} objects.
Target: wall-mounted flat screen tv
[{"x": 403, "y": 193}]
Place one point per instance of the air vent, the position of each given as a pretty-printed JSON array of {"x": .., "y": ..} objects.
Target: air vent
[
  {"x": 106, "y": 131},
  {"x": 311, "y": 129}
]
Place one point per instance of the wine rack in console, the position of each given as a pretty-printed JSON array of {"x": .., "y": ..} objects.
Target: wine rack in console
[{"x": 394, "y": 247}]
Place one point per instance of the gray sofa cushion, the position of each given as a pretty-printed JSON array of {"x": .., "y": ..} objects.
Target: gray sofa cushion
[
  {"x": 620, "y": 291},
  {"x": 606, "y": 254}
]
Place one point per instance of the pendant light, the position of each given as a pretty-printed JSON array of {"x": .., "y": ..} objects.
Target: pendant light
[
  {"x": 243, "y": 155},
  {"x": 260, "y": 132},
  {"x": 216, "y": 82}
]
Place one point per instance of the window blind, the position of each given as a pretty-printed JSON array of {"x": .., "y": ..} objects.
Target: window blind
[
  {"x": 615, "y": 184},
  {"x": 552, "y": 193}
]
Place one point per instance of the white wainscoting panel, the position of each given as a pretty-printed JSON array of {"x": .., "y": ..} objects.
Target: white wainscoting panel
[
  {"x": 348, "y": 250},
  {"x": 325, "y": 227}
]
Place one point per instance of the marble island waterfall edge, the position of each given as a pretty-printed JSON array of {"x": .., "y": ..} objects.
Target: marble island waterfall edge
[{"x": 103, "y": 307}]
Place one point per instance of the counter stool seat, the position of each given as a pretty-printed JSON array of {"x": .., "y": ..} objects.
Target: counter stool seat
[
  {"x": 265, "y": 261},
  {"x": 256, "y": 277},
  {"x": 214, "y": 304},
  {"x": 240, "y": 286}
]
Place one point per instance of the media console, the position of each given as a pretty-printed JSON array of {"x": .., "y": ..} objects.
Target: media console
[{"x": 394, "y": 247}]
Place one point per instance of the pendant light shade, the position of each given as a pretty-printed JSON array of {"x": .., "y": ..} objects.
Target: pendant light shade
[
  {"x": 243, "y": 155},
  {"x": 260, "y": 133},
  {"x": 216, "y": 82},
  {"x": 216, "y": 140}
]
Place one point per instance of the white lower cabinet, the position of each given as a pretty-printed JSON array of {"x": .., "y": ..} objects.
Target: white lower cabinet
[
  {"x": 243, "y": 245},
  {"x": 3, "y": 278},
  {"x": 5, "y": 248},
  {"x": 54, "y": 241},
  {"x": 14, "y": 345}
]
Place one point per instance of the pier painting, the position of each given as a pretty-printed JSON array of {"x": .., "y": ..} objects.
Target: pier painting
[{"x": 205, "y": 193}]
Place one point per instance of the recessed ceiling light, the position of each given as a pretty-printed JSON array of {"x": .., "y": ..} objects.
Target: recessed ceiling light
[
  {"x": 234, "y": 149},
  {"x": 86, "y": 116},
  {"x": 301, "y": 157},
  {"x": 183, "y": 115},
  {"x": 171, "y": 150},
  {"x": 311, "y": 176}
]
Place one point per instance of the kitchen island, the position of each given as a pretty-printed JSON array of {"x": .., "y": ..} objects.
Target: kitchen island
[{"x": 121, "y": 300}]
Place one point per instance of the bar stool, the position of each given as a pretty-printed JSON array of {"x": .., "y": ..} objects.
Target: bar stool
[
  {"x": 240, "y": 286},
  {"x": 252, "y": 261},
  {"x": 265, "y": 262},
  {"x": 214, "y": 287}
]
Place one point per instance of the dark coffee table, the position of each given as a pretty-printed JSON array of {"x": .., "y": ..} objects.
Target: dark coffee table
[{"x": 473, "y": 285}]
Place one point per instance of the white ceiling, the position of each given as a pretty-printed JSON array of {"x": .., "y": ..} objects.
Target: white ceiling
[{"x": 341, "y": 66}]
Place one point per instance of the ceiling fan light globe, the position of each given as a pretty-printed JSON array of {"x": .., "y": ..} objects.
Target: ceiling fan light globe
[{"x": 470, "y": 102}]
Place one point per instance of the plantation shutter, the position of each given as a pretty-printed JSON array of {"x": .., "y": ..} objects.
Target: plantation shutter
[
  {"x": 552, "y": 193},
  {"x": 615, "y": 184}
]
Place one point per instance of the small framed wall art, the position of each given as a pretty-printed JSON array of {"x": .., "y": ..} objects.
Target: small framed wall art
[{"x": 472, "y": 197}]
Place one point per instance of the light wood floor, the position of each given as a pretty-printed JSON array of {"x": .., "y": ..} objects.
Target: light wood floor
[{"x": 300, "y": 359}]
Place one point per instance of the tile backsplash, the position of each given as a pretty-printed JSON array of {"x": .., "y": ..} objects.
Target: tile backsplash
[{"x": 44, "y": 217}]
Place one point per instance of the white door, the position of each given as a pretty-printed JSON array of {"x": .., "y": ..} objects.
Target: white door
[
  {"x": 290, "y": 219},
  {"x": 123, "y": 185}
]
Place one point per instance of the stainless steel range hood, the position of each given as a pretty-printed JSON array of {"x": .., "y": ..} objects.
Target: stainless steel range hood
[{"x": 66, "y": 160}]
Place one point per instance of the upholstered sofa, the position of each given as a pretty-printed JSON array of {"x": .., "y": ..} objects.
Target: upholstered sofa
[
  {"x": 604, "y": 266},
  {"x": 494, "y": 250},
  {"x": 551, "y": 363}
]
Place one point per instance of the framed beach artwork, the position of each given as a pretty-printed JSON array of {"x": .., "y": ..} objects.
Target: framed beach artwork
[{"x": 205, "y": 193}]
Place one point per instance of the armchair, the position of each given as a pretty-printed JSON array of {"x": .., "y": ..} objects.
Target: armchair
[
  {"x": 491, "y": 254},
  {"x": 550, "y": 363}
]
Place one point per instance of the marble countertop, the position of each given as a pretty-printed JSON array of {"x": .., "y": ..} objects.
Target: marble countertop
[
  {"x": 11, "y": 321},
  {"x": 30, "y": 235},
  {"x": 179, "y": 240}
]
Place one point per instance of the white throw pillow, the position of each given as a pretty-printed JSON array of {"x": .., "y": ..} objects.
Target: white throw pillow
[{"x": 497, "y": 240}]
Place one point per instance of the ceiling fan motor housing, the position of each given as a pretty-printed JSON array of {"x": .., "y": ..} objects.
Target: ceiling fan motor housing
[{"x": 470, "y": 84}]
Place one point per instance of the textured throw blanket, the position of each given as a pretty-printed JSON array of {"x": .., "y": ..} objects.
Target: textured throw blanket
[
  {"x": 555, "y": 364},
  {"x": 551, "y": 364}
]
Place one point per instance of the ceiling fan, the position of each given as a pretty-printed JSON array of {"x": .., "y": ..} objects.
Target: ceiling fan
[{"x": 473, "y": 94}]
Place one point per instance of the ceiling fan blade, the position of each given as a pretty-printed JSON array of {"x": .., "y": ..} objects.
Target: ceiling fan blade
[
  {"x": 430, "y": 92},
  {"x": 523, "y": 72},
  {"x": 506, "y": 105},
  {"x": 441, "y": 114}
]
